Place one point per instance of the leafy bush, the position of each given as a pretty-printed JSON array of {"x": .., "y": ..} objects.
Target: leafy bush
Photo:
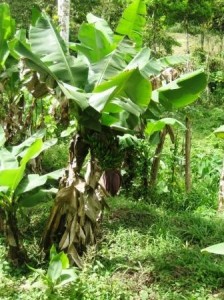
[{"x": 56, "y": 157}]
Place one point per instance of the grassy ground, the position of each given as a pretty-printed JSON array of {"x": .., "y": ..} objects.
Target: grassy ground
[
  {"x": 211, "y": 44},
  {"x": 145, "y": 252}
]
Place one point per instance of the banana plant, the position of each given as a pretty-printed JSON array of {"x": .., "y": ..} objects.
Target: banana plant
[
  {"x": 20, "y": 190},
  {"x": 16, "y": 103},
  {"x": 58, "y": 273},
  {"x": 107, "y": 83}
]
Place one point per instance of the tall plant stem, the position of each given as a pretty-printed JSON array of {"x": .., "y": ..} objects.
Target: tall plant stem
[
  {"x": 188, "y": 155},
  {"x": 156, "y": 159}
]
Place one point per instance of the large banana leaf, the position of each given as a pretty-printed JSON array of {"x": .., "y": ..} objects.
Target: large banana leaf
[
  {"x": 49, "y": 53},
  {"x": 47, "y": 44},
  {"x": 7, "y": 29},
  {"x": 7, "y": 159},
  {"x": 182, "y": 91},
  {"x": 129, "y": 84},
  {"x": 33, "y": 181},
  {"x": 133, "y": 22},
  {"x": 112, "y": 64},
  {"x": 36, "y": 64},
  {"x": 19, "y": 149},
  {"x": 122, "y": 99},
  {"x": 12, "y": 177},
  {"x": 153, "y": 125},
  {"x": 155, "y": 66},
  {"x": 96, "y": 39}
]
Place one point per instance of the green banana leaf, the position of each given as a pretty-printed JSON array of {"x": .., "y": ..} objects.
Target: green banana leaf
[
  {"x": 129, "y": 84},
  {"x": 133, "y": 22},
  {"x": 32, "y": 181},
  {"x": 110, "y": 65},
  {"x": 181, "y": 92},
  {"x": 12, "y": 177},
  {"x": 216, "y": 249},
  {"x": 36, "y": 197},
  {"x": 96, "y": 39},
  {"x": 219, "y": 132},
  {"x": 7, "y": 160},
  {"x": 48, "y": 53},
  {"x": 7, "y": 29},
  {"x": 154, "y": 126},
  {"x": 18, "y": 150}
]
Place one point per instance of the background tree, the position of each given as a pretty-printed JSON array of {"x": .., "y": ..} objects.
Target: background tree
[{"x": 190, "y": 13}]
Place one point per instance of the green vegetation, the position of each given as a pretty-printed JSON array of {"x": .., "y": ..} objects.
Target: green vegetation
[{"x": 111, "y": 173}]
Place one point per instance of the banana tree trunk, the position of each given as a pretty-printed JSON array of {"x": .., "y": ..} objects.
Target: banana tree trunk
[
  {"x": 78, "y": 206},
  {"x": 16, "y": 252}
]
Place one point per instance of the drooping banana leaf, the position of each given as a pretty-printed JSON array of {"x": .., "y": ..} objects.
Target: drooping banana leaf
[
  {"x": 47, "y": 44},
  {"x": 33, "y": 181},
  {"x": 49, "y": 53},
  {"x": 182, "y": 91},
  {"x": 17, "y": 150},
  {"x": 173, "y": 60},
  {"x": 140, "y": 60}
]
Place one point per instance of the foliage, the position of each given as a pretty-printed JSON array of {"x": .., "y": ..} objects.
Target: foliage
[
  {"x": 15, "y": 189},
  {"x": 55, "y": 157},
  {"x": 146, "y": 250},
  {"x": 58, "y": 273},
  {"x": 21, "y": 10},
  {"x": 216, "y": 249},
  {"x": 18, "y": 190}
]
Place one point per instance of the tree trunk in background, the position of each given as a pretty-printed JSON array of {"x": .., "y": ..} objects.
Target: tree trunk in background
[
  {"x": 63, "y": 18},
  {"x": 187, "y": 156},
  {"x": 1, "y": 221},
  {"x": 221, "y": 45},
  {"x": 221, "y": 190},
  {"x": 187, "y": 37},
  {"x": 156, "y": 159},
  {"x": 202, "y": 39},
  {"x": 78, "y": 206}
]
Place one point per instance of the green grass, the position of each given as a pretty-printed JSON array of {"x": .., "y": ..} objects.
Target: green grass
[
  {"x": 143, "y": 252},
  {"x": 212, "y": 43}
]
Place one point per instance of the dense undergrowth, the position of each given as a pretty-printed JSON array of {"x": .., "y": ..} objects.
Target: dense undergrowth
[{"x": 148, "y": 247}]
